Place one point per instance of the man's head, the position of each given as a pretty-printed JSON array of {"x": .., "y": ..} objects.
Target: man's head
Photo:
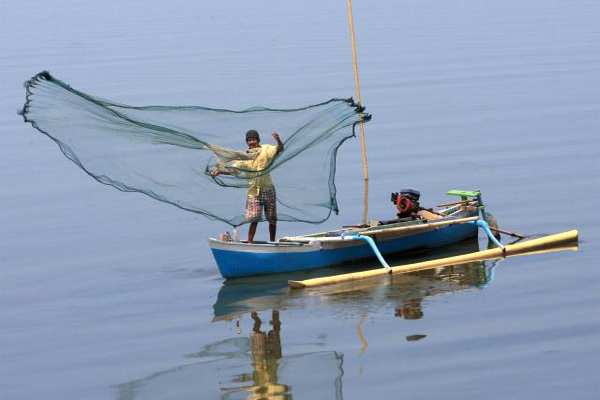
[{"x": 252, "y": 138}]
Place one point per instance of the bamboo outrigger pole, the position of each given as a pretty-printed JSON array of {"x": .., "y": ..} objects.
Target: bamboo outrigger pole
[
  {"x": 566, "y": 240},
  {"x": 361, "y": 125}
]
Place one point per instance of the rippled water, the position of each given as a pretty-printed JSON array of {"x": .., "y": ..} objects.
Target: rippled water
[{"x": 106, "y": 295}]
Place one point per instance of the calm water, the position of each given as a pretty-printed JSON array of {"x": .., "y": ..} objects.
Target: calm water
[{"x": 106, "y": 295}]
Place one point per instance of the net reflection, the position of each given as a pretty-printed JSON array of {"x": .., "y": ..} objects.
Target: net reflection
[{"x": 249, "y": 367}]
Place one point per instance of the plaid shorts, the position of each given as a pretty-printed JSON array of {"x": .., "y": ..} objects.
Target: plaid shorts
[{"x": 255, "y": 205}]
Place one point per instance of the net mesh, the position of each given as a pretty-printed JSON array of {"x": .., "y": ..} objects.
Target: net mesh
[{"x": 168, "y": 153}]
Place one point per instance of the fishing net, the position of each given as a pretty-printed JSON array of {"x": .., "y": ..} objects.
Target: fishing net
[{"x": 168, "y": 153}]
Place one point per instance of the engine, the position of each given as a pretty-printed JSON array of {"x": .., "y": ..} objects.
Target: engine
[{"x": 407, "y": 202}]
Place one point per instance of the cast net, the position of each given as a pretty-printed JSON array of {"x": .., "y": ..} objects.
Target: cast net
[{"x": 168, "y": 153}]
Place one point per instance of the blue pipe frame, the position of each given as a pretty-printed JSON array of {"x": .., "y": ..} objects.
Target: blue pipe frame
[{"x": 356, "y": 236}]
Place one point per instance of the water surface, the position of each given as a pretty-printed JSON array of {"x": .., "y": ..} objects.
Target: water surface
[{"x": 106, "y": 295}]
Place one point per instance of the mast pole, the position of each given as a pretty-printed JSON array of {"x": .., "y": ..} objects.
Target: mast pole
[{"x": 361, "y": 125}]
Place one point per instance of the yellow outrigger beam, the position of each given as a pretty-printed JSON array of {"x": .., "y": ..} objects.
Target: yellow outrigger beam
[{"x": 511, "y": 250}]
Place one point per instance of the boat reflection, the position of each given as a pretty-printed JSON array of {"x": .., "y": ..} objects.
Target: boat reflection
[
  {"x": 242, "y": 296},
  {"x": 404, "y": 292}
]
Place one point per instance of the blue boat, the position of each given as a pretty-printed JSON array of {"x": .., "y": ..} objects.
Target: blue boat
[{"x": 415, "y": 228}]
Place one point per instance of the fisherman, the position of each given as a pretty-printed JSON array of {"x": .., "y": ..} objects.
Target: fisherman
[{"x": 261, "y": 191}]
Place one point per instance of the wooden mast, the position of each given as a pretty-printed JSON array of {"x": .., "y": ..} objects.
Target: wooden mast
[{"x": 361, "y": 125}]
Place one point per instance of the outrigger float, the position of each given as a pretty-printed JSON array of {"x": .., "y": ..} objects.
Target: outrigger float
[{"x": 415, "y": 228}]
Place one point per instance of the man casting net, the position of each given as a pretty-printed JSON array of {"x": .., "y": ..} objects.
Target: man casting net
[{"x": 171, "y": 153}]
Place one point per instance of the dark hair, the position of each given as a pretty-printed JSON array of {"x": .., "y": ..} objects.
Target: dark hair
[{"x": 252, "y": 134}]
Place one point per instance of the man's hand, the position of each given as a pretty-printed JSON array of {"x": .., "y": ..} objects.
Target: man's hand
[
  {"x": 214, "y": 172},
  {"x": 278, "y": 140}
]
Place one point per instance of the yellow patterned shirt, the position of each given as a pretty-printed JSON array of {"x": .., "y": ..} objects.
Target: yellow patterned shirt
[{"x": 263, "y": 160}]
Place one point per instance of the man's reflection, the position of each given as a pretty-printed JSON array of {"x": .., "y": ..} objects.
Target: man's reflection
[
  {"x": 248, "y": 366},
  {"x": 266, "y": 353}
]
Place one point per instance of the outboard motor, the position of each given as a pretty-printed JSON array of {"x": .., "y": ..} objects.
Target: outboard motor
[{"x": 407, "y": 202}]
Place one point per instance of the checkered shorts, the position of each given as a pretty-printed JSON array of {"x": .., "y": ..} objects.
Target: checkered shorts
[{"x": 254, "y": 206}]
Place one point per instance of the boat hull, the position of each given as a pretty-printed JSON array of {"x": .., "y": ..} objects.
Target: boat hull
[{"x": 238, "y": 259}]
